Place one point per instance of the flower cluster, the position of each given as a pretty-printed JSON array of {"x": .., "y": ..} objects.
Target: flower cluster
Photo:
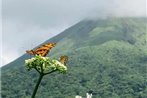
[{"x": 45, "y": 64}]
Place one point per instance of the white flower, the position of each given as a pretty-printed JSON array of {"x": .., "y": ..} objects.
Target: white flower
[
  {"x": 45, "y": 63},
  {"x": 61, "y": 67},
  {"x": 29, "y": 60}
]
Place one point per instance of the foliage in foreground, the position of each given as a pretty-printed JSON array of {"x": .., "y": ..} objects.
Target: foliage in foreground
[{"x": 44, "y": 66}]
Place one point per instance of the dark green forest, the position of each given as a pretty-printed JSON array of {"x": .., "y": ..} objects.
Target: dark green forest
[{"x": 107, "y": 56}]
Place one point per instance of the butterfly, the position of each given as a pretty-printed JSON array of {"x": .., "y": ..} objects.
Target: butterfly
[
  {"x": 42, "y": 50},
  {"x": 64, "y": 59}
]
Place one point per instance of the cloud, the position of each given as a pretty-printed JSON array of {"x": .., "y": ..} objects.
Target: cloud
[
  {"x": 10, "y": 55},
  {"x": 0, "y": 34},
  {"x": 55, "y": 12},
  {"x": 27, "y": 23},
  {"x": 20, "y": 37}
]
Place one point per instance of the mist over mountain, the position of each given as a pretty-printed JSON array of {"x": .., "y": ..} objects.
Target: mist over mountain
[
  {"x": 107, "y": 56},
  {"x": 29, "y": 23}
]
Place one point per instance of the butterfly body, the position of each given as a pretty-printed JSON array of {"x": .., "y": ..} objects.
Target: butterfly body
[{"x": 42, "y": 50}]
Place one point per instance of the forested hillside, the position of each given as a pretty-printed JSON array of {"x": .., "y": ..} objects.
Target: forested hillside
[{"x": 107, "y": 56}]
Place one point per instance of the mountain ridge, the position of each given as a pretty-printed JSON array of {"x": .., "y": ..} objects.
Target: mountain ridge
[
  {"x": 107, "y": 56},
  {"x": 66, "y": 31}
]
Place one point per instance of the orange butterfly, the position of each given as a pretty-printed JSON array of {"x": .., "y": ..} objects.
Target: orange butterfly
[
  {"x": 64, "y": 59},
  {"x": 42, "y": 50}
]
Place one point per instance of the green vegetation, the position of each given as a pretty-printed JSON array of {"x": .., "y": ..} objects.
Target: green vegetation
[
  {"x": 44, "y": 66},
  {"x": 107, "y": 56}
]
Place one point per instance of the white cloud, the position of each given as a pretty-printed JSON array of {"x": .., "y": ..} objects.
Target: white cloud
[
  {"x": 26, "y": 23},
  {"x": 0, "y": 34},
  {"x": 9, "y": 56},
  {"x": 22, "y": 38}
]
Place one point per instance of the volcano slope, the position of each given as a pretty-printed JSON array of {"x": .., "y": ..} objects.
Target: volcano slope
[{"x": 107, "y": 56}]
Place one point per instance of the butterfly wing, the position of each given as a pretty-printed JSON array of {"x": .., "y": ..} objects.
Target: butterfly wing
[
  {"x": 42, "y": 50},
  {"x": 64, "y": 59},
  {"x": 30, "y": 52},
  {"x": 51, "y": 45}
]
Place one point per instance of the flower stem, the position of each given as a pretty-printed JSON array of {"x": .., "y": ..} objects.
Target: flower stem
[{"x": 37, "y": 85}]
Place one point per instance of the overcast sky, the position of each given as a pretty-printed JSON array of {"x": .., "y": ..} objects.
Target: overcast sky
[
  {"x": 0, "y": 33},
  {"x": 27, "y": 23}
]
